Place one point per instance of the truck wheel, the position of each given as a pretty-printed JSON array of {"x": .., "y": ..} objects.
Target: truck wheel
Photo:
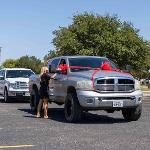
[
  {"x": 34, "y": 100},
  {"x": 6, "y": 97},
  {"x": 132, "y": 114},
  {"x": 72, "y": 108}
]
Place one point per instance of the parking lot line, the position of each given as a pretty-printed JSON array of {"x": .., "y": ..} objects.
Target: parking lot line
[{"x": 16, "y": 146}]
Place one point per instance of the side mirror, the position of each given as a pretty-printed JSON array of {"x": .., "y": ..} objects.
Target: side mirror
[
  {"x": 128, "y": 68},
  {"x": 1, "y": 77},
  {"x": 126, "y": 71}
]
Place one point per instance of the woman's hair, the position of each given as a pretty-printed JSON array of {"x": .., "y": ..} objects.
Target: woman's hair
[{"x": 44, "y": 70}]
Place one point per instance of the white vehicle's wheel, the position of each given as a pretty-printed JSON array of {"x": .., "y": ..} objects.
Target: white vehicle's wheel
[
  {"x": 6, "y": 97},
  {"x": 72, "y": 108},
  {"x": 132, "y": 114}
]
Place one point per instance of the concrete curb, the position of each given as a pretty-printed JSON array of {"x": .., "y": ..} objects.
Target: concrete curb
[{"x": 146, "y": 93}]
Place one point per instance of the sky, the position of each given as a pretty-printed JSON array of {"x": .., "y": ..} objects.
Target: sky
[{"x": 26, "y": 26}]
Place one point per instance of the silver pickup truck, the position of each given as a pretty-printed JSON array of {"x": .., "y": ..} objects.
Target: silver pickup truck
[{"x": 83, "y": 86}]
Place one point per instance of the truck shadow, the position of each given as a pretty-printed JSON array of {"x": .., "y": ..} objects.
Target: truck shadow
[
  {"x": 57, "y": 114},
  {"x": 88, "y": 117},
  {"x": 14, "y": 101}
]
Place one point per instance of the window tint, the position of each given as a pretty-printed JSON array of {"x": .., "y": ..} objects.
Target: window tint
[
  {"x": 63, "y": 61},
  {"x": 113, "y": 65},
  {"x": 55, "y": 62},
  {"x": 19, "y": 73},
  {"x": 89, "y": 62}
]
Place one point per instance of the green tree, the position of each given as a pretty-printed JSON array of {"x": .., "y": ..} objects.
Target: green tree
[
  {"x": 30, "y": 62},
  {"x": 91, "y": 34},
  {"x": 9, "y": 63},
  {"x": 51, "y": 54}
]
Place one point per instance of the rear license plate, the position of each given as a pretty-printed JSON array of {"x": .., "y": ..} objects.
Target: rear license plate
[{"x": 117, "y": 103}]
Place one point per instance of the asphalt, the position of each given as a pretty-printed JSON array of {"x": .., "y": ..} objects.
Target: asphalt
[{"x": 96, "y": 130}]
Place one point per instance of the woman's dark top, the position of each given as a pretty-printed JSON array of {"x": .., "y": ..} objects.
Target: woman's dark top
[{"x": 44, "y": 85}]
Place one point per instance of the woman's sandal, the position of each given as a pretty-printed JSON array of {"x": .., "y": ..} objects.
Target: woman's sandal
[
  {"x": 38, "y": 116},
  {"x": 46, "y": 117}
]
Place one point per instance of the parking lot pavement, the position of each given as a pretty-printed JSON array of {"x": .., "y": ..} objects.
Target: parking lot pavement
[{"x": 19, "y": 129}]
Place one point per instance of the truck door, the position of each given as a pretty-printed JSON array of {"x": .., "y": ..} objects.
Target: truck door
[
  {"x": 58, "y": 84},
  {"x": 53, "y": 66}
]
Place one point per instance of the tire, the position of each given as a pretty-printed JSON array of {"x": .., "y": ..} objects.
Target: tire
[
  {"x": 34, "y": 100},
  {"x": 6, "y": 97},
  {"x": 72, "y": 108},
  {"x": 132, "y": 114}
]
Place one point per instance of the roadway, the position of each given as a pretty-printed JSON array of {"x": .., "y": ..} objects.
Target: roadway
[{"x": 97, "y": 130}]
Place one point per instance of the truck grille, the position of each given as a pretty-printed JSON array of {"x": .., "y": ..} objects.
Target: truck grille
[
  {"x": 114, "y": 85},
  {"x": 22, "y": 85}
]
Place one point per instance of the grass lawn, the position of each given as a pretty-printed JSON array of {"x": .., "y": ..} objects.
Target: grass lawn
[{"x": 145, "y": 88}]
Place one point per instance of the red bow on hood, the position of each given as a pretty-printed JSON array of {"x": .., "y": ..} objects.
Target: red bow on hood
[{"x": 106, "y": 66}]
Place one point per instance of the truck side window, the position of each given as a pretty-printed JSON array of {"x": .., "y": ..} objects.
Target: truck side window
[
  {"x": 63, "y": 67},
  {"x": 54, "y": 64},
  {"x": 62, "y": 62}
]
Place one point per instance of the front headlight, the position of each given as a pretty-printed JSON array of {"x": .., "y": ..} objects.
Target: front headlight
[
  {"x": 12, "y": 85},
  {"x": 85, "y": 85},
  {"x": 137, "y": 85}
]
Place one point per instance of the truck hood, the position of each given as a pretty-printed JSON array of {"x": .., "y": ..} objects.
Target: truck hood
[
  {"x": 13, "y": 80},
  {"x": 100, "y": 74}
]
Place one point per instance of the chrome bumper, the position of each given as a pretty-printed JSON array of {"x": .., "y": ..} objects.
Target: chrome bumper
[
  {"x": 95, "y": 100},
  {"x": 18, "y": 93}
]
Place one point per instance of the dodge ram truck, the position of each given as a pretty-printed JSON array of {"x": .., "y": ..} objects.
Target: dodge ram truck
[
  {"x": 84, "y": 86},
  {"x": 14, "y": 83}
]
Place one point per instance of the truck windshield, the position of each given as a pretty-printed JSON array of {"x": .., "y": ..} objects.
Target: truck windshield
[
  {"x": 19, "y": 73},
  {"x": 87, "y": 63}
]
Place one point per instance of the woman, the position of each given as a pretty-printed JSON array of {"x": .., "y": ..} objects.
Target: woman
[
  {"x": 44, "y": 82},
  {"x": 63, "y": 67}
]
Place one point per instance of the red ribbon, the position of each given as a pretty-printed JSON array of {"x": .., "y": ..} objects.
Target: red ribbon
[{"x": 102, "y": 67}]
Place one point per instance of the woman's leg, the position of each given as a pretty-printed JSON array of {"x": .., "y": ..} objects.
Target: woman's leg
[
  {"x": 45, "y": 108},
  {"x": 39, "y": 108}
]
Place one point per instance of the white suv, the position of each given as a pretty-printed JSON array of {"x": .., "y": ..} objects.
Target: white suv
[{"x": 14, "y": 83}]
